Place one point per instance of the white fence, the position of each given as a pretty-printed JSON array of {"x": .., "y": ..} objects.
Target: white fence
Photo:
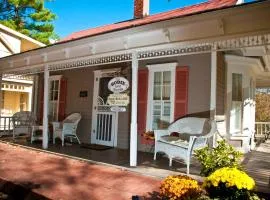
[
  {"x": 6, "y": 126},
  {"x": 262, "y": 129}
]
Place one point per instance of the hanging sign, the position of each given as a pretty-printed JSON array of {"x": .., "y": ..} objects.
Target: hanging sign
[
  {"x": 118, "y": 84},
  {"x": 118, "y": 109},
  {"x": 118, "y": 99}
]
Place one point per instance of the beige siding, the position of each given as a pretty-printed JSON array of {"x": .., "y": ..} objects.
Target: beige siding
[
  {"x": 83, "y": 80},
  {"x": 199, "y": 80},
  {"x": 221, "y": 94},
  {"x": 199, "y": 84},
  {"x": 221, "y": 84}
]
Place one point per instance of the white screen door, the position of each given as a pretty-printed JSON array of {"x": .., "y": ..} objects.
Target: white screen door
[{"x": 104, "y": 126}]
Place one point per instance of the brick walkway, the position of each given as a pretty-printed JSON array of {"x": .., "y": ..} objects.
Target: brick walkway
[{"x": 57, "y": 177}]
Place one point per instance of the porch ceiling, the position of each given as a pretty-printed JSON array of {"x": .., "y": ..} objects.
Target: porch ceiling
[{"x": 263, "y": 80}]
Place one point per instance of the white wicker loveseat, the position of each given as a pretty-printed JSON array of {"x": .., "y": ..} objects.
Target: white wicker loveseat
[{"x": 183, "y": 137}]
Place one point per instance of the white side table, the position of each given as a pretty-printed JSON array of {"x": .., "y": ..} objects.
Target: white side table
[{"x": 33, "y": 134}]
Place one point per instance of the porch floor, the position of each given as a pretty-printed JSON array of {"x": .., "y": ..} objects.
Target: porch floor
[
  {"x": 115, "y": 156},
  {"x": 257, "y": 162}
]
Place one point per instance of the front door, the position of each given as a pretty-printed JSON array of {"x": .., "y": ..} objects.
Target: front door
[{"x": 104, "y": 123}]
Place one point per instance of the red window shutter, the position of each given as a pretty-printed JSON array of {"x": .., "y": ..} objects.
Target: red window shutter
[
  {"x": 142, "y": 102},
  {"x": 62, "y": 100},
  {"x": 181, "y": 92}
]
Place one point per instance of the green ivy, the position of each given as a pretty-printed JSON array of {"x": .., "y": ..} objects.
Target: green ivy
[{"x": 224, "y": 155}]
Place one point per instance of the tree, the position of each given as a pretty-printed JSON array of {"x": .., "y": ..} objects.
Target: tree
[
  {"x": 29, "y": 17},
  {"x": 262, "y": 107}
]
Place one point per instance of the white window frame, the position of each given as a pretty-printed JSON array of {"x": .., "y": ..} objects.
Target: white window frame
[
  {"x": 55, "y": 78},
  {"x": 159, "y": 68},
  {"x": 239, "y": 131}
]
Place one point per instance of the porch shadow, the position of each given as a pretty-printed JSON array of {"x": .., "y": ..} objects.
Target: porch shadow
[{"x": 114, "y": 156}]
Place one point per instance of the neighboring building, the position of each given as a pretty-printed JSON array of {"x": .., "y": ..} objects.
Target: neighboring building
[
  {"x": 16, "y": 90},
  {"x": 204, "y": 60}
]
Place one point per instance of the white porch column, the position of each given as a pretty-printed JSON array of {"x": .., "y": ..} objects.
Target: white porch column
[
  {"x": 30, "y": 96},
  {"x": 133, "y": 125},
  {"x": 213, "y": 94},
  {"x": 35, "y": 95},
  {"x": 45, "y": 107}
]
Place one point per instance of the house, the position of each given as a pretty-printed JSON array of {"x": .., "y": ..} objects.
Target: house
[
  {"x": 16, "y": 92},
  {"x": 203, "y": 60}
]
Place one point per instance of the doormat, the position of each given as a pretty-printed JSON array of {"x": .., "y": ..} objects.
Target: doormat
[{"x": 95, "y": 147}]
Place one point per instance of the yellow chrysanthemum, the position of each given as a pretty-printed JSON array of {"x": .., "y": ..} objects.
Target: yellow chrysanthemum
[
  {"x": 176, "y": 187},
  {"x": 232, "y": 177}
]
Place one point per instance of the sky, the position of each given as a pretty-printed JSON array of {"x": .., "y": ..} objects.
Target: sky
[{"x": 76, "y": 15}]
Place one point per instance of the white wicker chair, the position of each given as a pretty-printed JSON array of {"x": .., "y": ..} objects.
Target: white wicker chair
[
  {"x": 22, "y": 122},
  {"x": 67, "y": 128},
  {"x": 196, "y": 133}
]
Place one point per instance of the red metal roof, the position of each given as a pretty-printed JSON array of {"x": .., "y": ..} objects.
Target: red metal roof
[{"x": 197, "y": 8}]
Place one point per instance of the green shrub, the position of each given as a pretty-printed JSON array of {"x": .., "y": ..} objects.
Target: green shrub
[{"x": 224, "y": 155}]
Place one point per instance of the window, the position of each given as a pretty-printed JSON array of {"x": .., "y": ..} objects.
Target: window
[
  {"x": 3, "y": 99},
  {"x": 54, "y": 98},
  {"x": 161, "y": 96},
  {"x": 236, "y": 108},
  {"x": 22, "y": 102}
]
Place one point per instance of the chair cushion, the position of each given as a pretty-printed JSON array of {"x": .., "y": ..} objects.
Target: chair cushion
[
  {"x": 182, "y": 136},
  {"x": 174, "y": 140}
]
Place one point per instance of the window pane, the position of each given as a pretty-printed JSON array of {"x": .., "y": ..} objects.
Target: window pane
[
  {"x": 51, "y": 95},
  {"x": 236, "y": 117},
  {"x": 157, "y": 78},
  {"x": 55, "y": 112},
  {"x": 55, "y": 96},
  {"x": 236, "y": 87},
  {"x": 157, "y": 92},
  {"x": 50, "y": 108},
  {"x": 157, "y": 108},
  {"x": 51, "y": 85},
  {"x": 167, "y": 109},
  {"x": 166, "y": 94},
  {"x": 167, "y": 78},
  {"x": 56, "y": 85},
  {"x": 155, "y": 123}
]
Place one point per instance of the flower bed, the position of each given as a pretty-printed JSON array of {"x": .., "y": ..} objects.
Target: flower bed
[{"x": 225, "y": 178}]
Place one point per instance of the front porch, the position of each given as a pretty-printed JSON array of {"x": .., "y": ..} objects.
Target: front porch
[
  {"x": 256, "y": 163},
  {"x": 113, "y": 156}
]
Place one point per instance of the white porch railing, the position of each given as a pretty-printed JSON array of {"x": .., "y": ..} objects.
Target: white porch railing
[
  {"x": 262, "y": 129},
  {"x": 6, "y": 126}
]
